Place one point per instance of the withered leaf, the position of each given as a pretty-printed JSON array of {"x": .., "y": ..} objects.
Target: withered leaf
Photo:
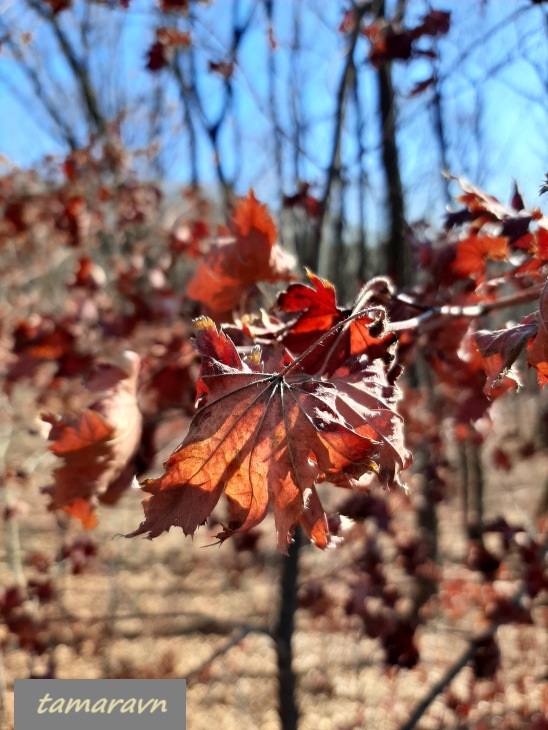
[
  {"x": 270, "y": 438},
  {"x": 98, "y": 445},
  {"x": 538, "y": 350},
  {"x": 501, "y": 348},
  {"x": 233, "y": 266}
]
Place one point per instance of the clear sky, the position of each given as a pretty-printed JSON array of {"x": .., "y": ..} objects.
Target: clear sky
[{"x": 493, "y": 65}]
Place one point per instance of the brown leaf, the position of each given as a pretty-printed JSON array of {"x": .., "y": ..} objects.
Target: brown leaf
[
  {"x": 223, "y": 68},
  {"x": 271, "y": 437},
  {"x": 500, "y": 349},
  {"x": 473, "y": 252},
  {"x": 98, "y": 446},
  {"x": 173, "y": 37},
  {"x": 249, "y": 256}
]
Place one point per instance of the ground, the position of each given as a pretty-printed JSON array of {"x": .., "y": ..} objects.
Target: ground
[{"x": 176, "y": 607}]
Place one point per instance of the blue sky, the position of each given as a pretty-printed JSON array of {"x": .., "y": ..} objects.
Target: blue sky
[{"x": 493, "y": 62}]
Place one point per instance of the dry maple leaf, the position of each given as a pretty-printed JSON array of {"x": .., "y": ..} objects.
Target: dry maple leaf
[
  {"x": 472, "y": 253},
  {"x": 501, "y": 348},
  {"x": 538, "y": 349},
  {"x": 309, "y": 312},
  {"x": 250, "y": 255},
  {"x": 270, "y": 438},
  {"x": 98, "y": 445},
  {"x": 316, "y": 312}
]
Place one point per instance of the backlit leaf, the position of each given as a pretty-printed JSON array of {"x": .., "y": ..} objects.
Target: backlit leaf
[
  {"x": 233, "y": 266},
  {"x": 270, "y": 438}
]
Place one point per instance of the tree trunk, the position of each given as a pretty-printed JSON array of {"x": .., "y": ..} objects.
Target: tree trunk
[
  {"x": 283, "y": 634},
  {"x": 397, "y": 257}
]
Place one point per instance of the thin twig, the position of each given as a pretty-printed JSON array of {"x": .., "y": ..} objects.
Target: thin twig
[
  {"x": 194, "y": 675},
  {"x": 450, "y": 311},
  {"x": 463, "y": 660},
  {"x": 332, "y": 170},
  {"x": 208, "y": 624},
  {"x": 78, "y": 68}
]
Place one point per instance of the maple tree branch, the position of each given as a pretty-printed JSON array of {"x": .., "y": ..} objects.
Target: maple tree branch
[
  {"x": 40, "y": 93},
  {"x": 363, "y": 255},
  {"x": 78, "y": 68},
  {"x": 507, "y": 21},
  {"x": 397, "y": 252},
  {"x": 213, "y": 127},
  {"x": 203, "y": 624},
  {"x": 451, "y": 311},
  {"x": 194, "y": 675},
  {"x": 273, "y": 106},
  {"x": 184, "y": 92},
  {"x": 332, "y": 171}
]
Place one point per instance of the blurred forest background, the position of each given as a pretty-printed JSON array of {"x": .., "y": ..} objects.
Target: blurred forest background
[
  {"x": 129, "y": 129},
  {"x": 283, "y": 98}
]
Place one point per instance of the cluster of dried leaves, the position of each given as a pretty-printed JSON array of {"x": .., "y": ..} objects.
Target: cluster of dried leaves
[{"x": 287, "y": 398}]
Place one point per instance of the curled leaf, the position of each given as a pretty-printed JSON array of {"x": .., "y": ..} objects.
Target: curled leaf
[
  {"x": 97, "y": 447},
  {"x": 501, "y": 348}
]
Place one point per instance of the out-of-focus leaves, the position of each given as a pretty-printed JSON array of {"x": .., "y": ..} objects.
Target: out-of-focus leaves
[
  {"x": 98, "y": 446},
  {"x": 225, "y": 69},
  {"x": 501, "y": 348},
  {"x": 474, "y": 251},
  {"x": 538, "y": 349},
  {"x": 248, "y": 256}
]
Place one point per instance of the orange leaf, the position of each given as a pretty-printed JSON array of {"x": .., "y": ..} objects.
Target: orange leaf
[
  {"x": 82, "y": 510},
  {"x": 538, "y": 350},
  {"x": 75, "y": 434},
  {"x": 249, "y": 256},
  {"x": 98, "y": 446},
  {"x": 270, "y": 438},
  {"x": 472, "y": 253}
]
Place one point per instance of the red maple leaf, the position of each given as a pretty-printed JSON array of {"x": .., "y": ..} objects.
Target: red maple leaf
[
  {"x": 500, "y": 349},
  {"x": 57, "y": 6},
  {"x": 473, "y": 252},
  {"x": 98, "y": 445},
  {"x": 270, "y": 438},
  {"x": 174, "y": 6},
  {"x": 538, "y": 348},
  {"x": 249, "y": 255},
  {"x": 42, "y": 338},
  {"x": 348, "y": 22},
  {"x": 302, "y": 199},
  {"x": 317, "y": 312},
  {"x": 156, "y": 57},
  {"x": 390, "y": 41}
]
